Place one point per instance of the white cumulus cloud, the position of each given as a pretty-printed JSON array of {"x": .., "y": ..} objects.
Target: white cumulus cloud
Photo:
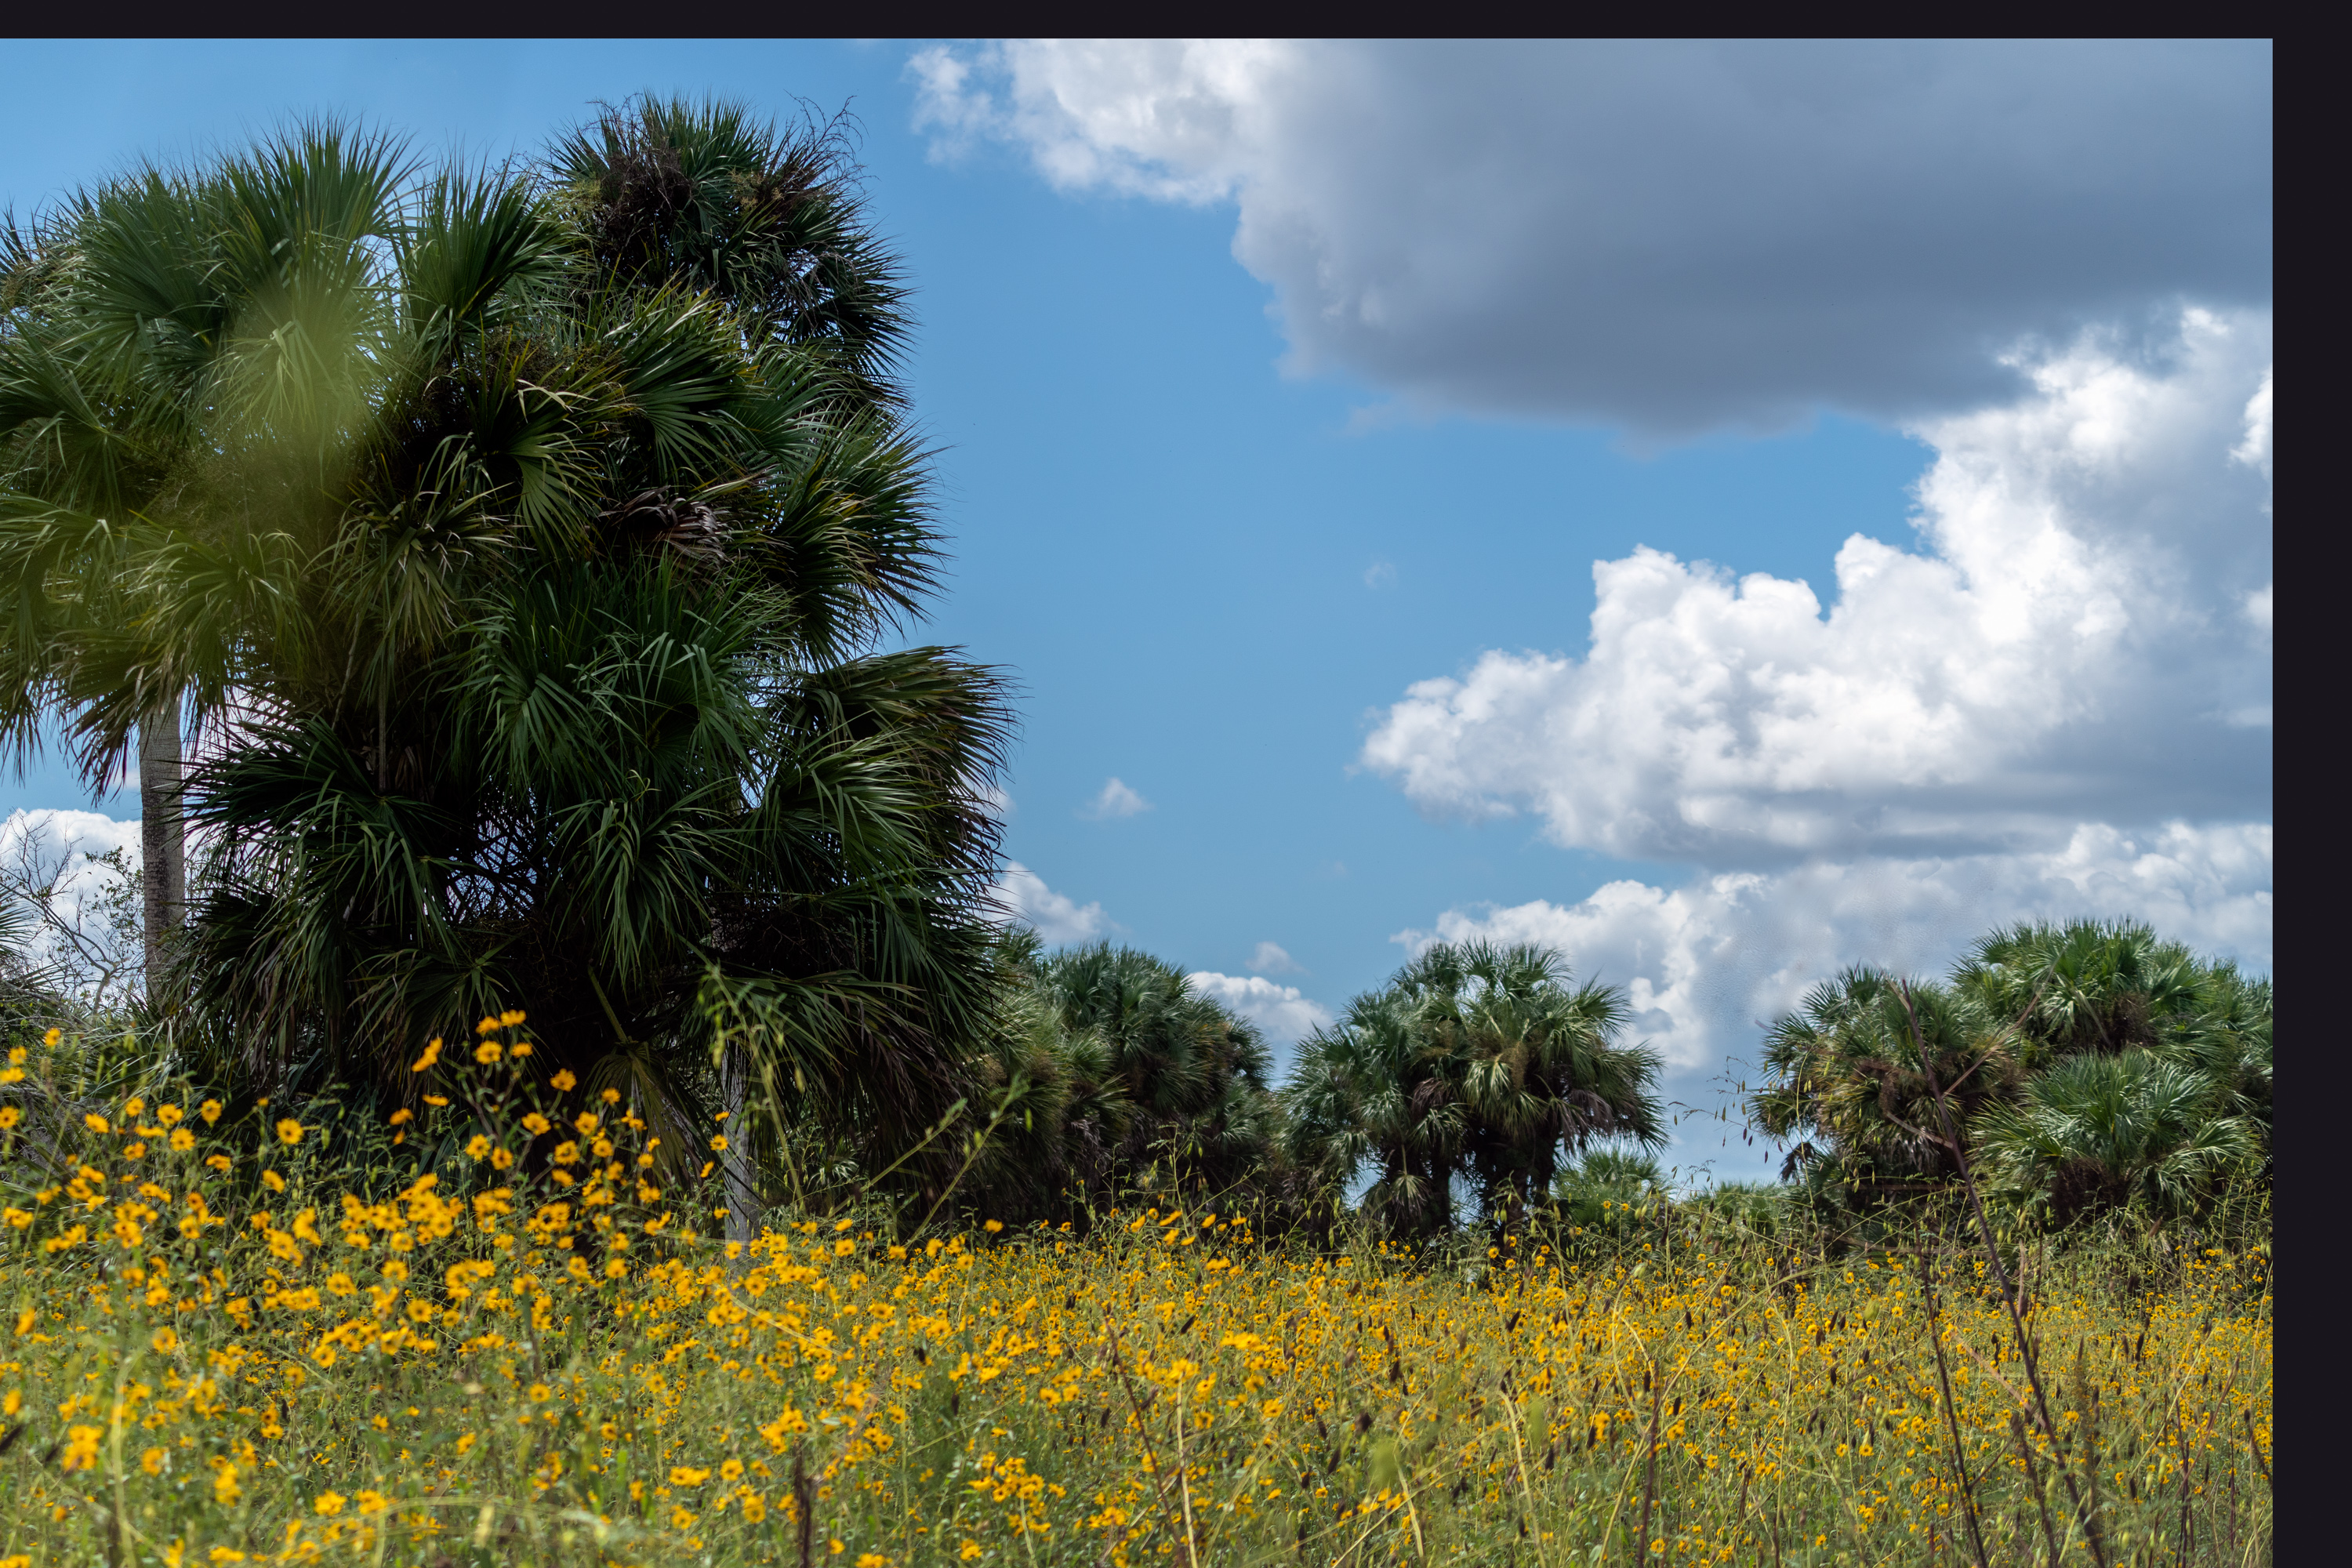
[
  {"x": 1706, "y": 963},
  {"x": 1057, "y": 918},
  {"x": 2066, "y": 643},
  {"x": 1117, "y": 799},
  {"x": 1669, "y": 236},
  {"x": 1281, "y": 1011}
]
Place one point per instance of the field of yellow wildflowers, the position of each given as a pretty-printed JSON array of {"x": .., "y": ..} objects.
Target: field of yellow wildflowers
[{"x": 498, "y": 1339}]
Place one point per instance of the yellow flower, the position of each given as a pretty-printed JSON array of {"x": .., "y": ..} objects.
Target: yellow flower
[
  {"x": 182, "y": 1140},
  {"x": 477, "y": 1146},
  {"x": 273, "y": 1181},
  {"x": 152, "y": 1462},
  {"x": 521, "y": 1049},
  {"x": 402, "y": 1117},
  {"x": 541, "y": 1393},
  {"x": 873, "y": 1560},
  {"x": 81, "y": 1448},
  {"x": 289, "y": 1131},
  {"x": 52, "y": 1037},
  {"x": 432, "y": 1054},
  {"x": 487, "y": 1026},
  {"x": 169, "y": 1115},
  {"x": 732, "y": 1471},
  {"x": 328, "y": 1503},
  {"x": 210, "y": 1111},
  {"x": 487, "y": 1052},
  {"x": 95, "y": 1123},
  {"x": 562, "y": 1082},
  {"x": 970, "y": 1550},
  {"x": 8, "y": 1114},
  {"x": 587, "y": 1122},
  {"x": 536, "y": 1124},
  {"x": 679, "y": 1477},
  {"x": 371, "y": 1502},
  {"x": 436, "y": 1099},
  {"x": 12, "y": 1402},
  {"x": 165, "y": 1341},
  {"x": 992, "y": 1226},
  {"x": 217, "y": 1162},
  {"x": 718, "y": 1144}
]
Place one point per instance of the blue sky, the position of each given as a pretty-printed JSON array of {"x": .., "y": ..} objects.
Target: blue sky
[{"x": 1235, "y": 455}]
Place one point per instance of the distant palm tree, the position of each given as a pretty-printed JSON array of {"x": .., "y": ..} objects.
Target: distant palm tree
[
  {"x": 1196, "y": 1077},
  {"x": 1476, "y": 1061},
  {"x": 1851, "y": 1090},
  {"x": 535, "y": 589},
  {"x": 2100, "y": 1132},
  {"x": 2094, "y": 1062}
]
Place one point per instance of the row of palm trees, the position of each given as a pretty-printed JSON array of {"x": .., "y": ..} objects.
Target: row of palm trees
[
  {"x": 1453, "y": 1095},
  {"x": 2071, "y": 1069}
]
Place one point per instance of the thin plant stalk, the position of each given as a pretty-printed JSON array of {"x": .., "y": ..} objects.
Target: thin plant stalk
[
  {"x": 1952, "y": 1418},
  {"x": 2009, "y": 1293}
]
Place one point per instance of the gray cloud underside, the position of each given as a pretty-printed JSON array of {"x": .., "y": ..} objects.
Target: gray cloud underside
[{"x": 1672, "y": 236}]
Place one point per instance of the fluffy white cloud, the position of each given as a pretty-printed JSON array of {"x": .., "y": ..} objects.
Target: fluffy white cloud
[
  {"x": 1271, "y": 959},
  {"x": 1117, "y": 799},
  {"x": 1706, "y": 964},
  {"x": 2068, "y": 643},
  {"x": 1669, "y": 235},
  {"x": 1058, "y": 917},
  {"x": 1281, "y": 1011}
]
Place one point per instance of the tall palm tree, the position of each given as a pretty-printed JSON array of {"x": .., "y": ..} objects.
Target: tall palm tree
[
  {"x": 539, "y": 598},
  {"x": 177, "y": 356},
  {"x": 1478, "y": 1061}
]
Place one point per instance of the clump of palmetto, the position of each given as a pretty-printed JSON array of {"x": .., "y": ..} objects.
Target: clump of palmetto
[{"x": 2085, "y": 1068}]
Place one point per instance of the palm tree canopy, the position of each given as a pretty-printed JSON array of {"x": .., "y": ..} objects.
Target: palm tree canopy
[
  {"x": 1475, "y": 1060},
  {"x": 533, "y": 566},
  {"x": 2096, "y": 1062}
]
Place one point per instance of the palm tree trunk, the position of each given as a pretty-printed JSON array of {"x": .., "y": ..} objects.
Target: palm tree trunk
[
  {"x": 735, "y": 1162},
  {"x": 162, "y": 847}
]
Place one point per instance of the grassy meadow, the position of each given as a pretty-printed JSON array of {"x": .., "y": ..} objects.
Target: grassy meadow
[{"x": 498, "y": 1333}]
